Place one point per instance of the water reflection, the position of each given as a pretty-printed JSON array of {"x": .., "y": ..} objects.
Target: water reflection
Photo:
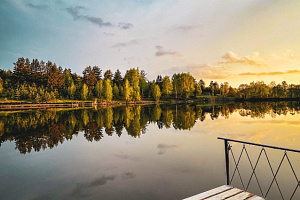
[{"x": 41, "y": 129}]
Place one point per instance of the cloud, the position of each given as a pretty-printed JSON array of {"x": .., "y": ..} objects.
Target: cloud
[
  {"x": 164, "y": 147},
  {"x": 161, "y": 51},
  {"x": 80, "y": 189},
  {"x": 109, "y": 34},
  {"x": 125, "y": 26},
  {"x": 74, "y": 12},
  {"x": 185, "y": 28},
  {"x": 270, "y": 73},
  {"x": 203, "y": 71},
  {"x": 38, "y": 6},
  {"x": 233, "y": 58},
  {"x": 285, "y": 56},
  {"x": 125, "y": 44},
  {"x": 97, "y": 20}
]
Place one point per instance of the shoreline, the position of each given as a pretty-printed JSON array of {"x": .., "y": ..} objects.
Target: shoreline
[{"x": 14, "y": 106}]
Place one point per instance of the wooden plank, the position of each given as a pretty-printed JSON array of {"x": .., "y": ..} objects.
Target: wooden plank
[
  {"x": 210, "y": 193},
  {"x": 225, "y": 195},
  {"x": 256, "y": 198},
  {"x": 241, "y": 196}
]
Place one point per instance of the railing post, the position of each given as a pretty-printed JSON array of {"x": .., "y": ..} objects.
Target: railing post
[{"x": 227, "y": 161}]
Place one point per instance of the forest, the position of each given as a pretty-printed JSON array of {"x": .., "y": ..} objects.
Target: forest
[{"x": 39, "y": 81}]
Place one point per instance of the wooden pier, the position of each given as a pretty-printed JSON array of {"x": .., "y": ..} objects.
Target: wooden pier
[{"x": 225, "y": 192}]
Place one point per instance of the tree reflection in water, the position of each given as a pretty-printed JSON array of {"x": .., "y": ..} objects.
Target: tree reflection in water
[{"x": 41, "y": 129}]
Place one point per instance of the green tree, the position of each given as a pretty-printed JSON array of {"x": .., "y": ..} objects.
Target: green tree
[
  {"x": 224, "y": 89},
  {"x": 197, "y": 90},
  {"x": 1, "y": 85},
  {"x": 108, "y": 75},
  {"x": 127, "y": 90},
  {"x": 167, "y": 86},
  {"x": 116, "y": 91},
  {"x": 183, "y": 84},
  {"x": 71, "y": 90},
  {"x": 17, "y": 94},
  {"x": 156, "y": 93},
  {"x": 38, "y": 98},
  {"x": 84, "y": 92},
  {"x": 133, "y": 77},
  {"x": 107, "y": 91},
  {"x": 202, "y": 84},
  {"x": 97, "y": 71},
  {"x": 55, "y": 78},
  {"x": 68, "y": 78},
  {"x": 118, "y": 78},
  {"x": 89, "y": 76},
  {"x": 99, "y": 89}
]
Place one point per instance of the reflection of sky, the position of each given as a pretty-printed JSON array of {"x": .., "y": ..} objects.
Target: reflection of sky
[{"x": 161, "y": 164}]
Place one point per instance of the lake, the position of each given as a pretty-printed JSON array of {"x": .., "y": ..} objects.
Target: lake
[{"x": 144, "y": 152}]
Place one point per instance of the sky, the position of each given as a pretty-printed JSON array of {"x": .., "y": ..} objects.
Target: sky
[{"x": 220, "y": 40}]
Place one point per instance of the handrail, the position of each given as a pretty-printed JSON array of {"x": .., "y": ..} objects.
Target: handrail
[
  {"x": 263, "y": 152},
  {"x": 261, "y": 145}
]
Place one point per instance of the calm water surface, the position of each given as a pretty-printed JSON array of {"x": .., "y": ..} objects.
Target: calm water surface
[{"x": 150, "y": 152}]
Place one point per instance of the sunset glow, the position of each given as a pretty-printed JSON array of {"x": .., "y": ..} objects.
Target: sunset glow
[{"x": 233, "y": 41}]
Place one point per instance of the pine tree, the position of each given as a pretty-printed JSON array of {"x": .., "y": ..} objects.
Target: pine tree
[
  {"x": 108, "y": 75},
  {"x": 118, "y": 78},
  {"x": 89, "y": 76}
]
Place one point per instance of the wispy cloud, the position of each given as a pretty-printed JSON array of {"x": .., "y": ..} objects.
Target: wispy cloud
[
  {"x": 125, "y": 26},
  {"x": 109, "y": 34},
  {"x": 164, "y": 147},
  {"x": 38, "y": 6},
  {"x": 203, "y": 71},
  {"x": 185, "y": 28},
  {"x": 270, "y": 73},
  {"x": 233, "y": 58},
  {"x": 74, "y": 12},
  {"x": 97, "y": 20},
  {"x": 125, "y": 44},
  {"x": 161, "y": 51},
  {"x": 286, "y": 55}
]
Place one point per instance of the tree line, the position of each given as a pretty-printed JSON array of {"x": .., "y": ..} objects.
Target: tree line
[{"x": 40, "y": 81}]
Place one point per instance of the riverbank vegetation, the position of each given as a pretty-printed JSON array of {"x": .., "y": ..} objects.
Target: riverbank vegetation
[{"x": 39, "y": 81}]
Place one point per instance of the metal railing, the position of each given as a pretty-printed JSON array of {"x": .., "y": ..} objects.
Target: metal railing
[{"x": 236, "y": 162}]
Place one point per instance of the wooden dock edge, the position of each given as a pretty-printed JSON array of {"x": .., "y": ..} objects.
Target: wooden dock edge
[{"x": 225, "y": 192}]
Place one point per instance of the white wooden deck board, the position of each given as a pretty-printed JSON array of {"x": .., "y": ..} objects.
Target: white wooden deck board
[{"x": 225, "y": 192}]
